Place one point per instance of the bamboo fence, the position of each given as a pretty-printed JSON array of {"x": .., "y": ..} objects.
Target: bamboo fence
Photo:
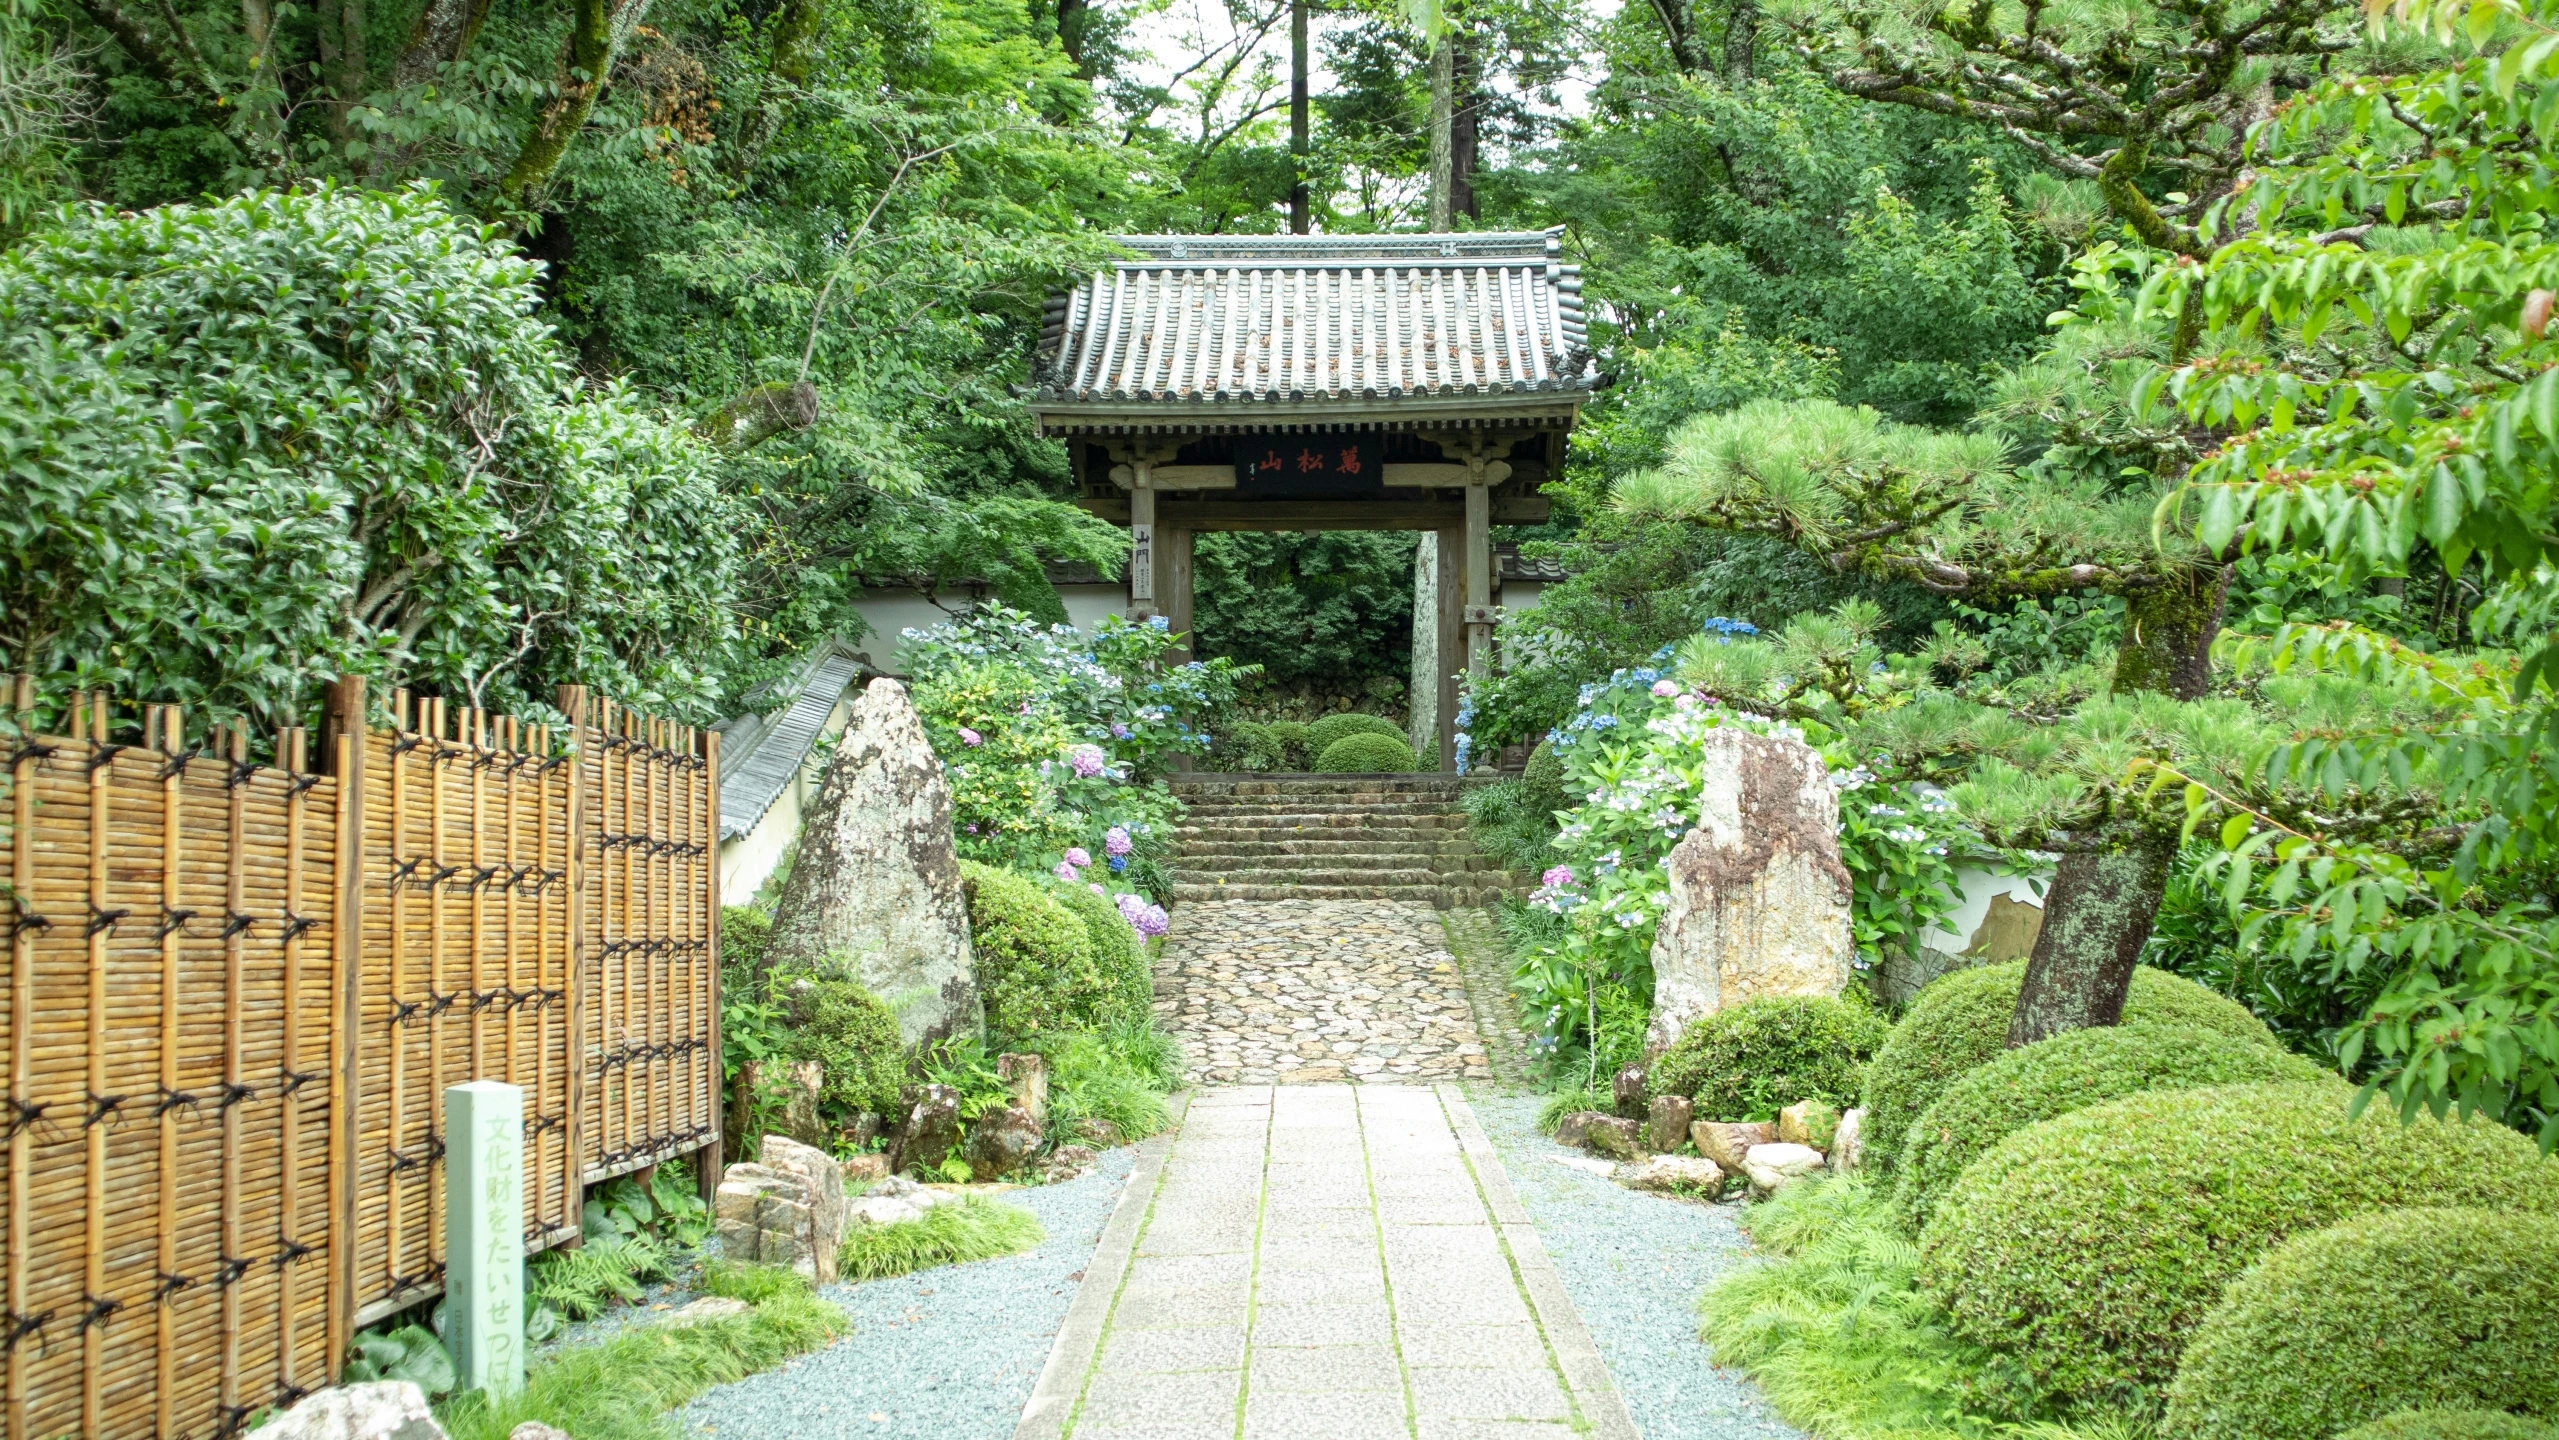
[{"x": 237, "y": 992}]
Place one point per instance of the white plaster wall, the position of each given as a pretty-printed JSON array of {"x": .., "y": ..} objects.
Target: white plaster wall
[
  {"x": 1522, "y": 594},
  {"x": 748, "y": 861},
  {"x": 889, "y": 611},
  {"x": 1978, "y": 886},
  {"x": 1086, "y": 605}
]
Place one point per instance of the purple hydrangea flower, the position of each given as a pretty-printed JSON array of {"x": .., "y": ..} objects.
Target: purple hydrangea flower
[
  {"x": 1087, "y": 760},
  {"x": 1154, "y": 922},
  {"x": 1131, "y": 907},
  {"x": 1116, "y": 841},
  {"x": 1118, "y": 731},
  {"x": 1096, "y": 887},
  {"x": 1078, "y": 855},
  {"x": 1065, "y": 872},
  {"x": 1664, "y": 689},
  {"x": 1560, "y": 875},
  {"x": 970, "y": 737}
]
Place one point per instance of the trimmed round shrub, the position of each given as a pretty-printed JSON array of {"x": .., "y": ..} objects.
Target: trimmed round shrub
[
  {"x": 1750, "y": 1061},
  {"x": 2088, "y": 1248},
  {"x": 853, "y": 1037},
  {"x": 1959, "y": 1022},
  {"x": 2382, "y": 1313},
  {"x": 1542, "y": 784},
  {"x": 1366, "y": 754},
  {"x": 1246, "y": 745},
  {"x": 1323, "y": 734},
  {"x": 2070, "y": 1071},
  {"x": 1288, "y": 739},
  {"x": 2452, "y": 1425},
  {"x": 1126, "y": 994},
  {"x": 1034, "y": 958}
]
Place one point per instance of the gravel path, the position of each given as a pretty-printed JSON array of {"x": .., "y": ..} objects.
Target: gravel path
[
  {"x": 943, "y": 1354},
  {"x": 1635, "y": 1265}
]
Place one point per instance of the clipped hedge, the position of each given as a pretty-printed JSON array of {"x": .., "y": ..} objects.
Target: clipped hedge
[
  {"x": 1323, "y": 734},
  {"x": 1126, "y": 994},
  {"x": 1543, "y": 784},
  {"x": 2070, "y": 1071},
  {"x": 1035, "y": 960},
  {"x": 831, "y": 1019},
  {"x": 2089, "y": 1247},
  {"x": 1288, "y": 739},
  {"x": 1959, "y": 1022},
  {"x": 2452, "y": 1425},
  {"x": 2383, "y": 1313},
  {"x": 1366, "y": 754},
  {"x": 1750, "y": 1061}
]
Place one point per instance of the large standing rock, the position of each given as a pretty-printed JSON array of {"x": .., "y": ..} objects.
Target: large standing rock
[
  {"x": 374, "y": 1410},
  {"x": 1002, "y": 1141},
  {"x": 1758, "y": 898},
  {"x": 1726, "y": 1143},
  {"x": 932, "y": 1127},
  {"x": 1027, "y": 1077},
  {"x": 877, "y": 884},
  {"x": 784, "y": 1208},
  {"x": 1668, "y": 1119}
]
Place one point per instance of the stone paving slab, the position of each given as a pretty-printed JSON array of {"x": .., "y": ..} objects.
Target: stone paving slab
[
  {"x": 1311, "y": 991},
  {"x": 1423, "y": 1307}
]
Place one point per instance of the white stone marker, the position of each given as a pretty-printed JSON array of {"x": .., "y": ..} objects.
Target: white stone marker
[{"x": 484, "y": 1235}]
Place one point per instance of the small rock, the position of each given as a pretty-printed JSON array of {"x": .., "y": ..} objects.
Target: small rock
[
  {"x": 1628, "y": 1090},
  {"x": 1587, "y": 1164},
  {"x": 864, "y": 1169},
  {"x": 1808, "y": 1122},
  {"x": 1574, "y": 1129},
  {"x": 1764, "y": 1181},
  {"x": 709, "y": 1307},
  {"x": 1028, "y": 1075},
  {"x": 881, "y": 1210},
  {"x": 932, "y": 1127},
  {"x": 1609, "y": 1135},
  {"x": 1726, "y": 1142},
  {"x": 1068, "y": 1161},
  {"x": 1669, "y": 1117},
  {"x": 1848, "y": 1146},
  {"x": 1100, "y": 1134},
  {"x": 1785, "y": 1159},
  {"x": 536, "y": 1430},
  {"x": 1675, "y": 1175},
  {"x": 374, "y": 1410},
  {"x": 1003, "y": 1142}
]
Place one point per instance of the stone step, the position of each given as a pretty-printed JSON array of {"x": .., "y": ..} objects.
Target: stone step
[
  {"x": 1443, "y": 897},
  {"x": 1329, "y": 783},
  {"x": 1428, "y": 842},
  {"x": 1266, "y": 872},
  {"x": 1234, "y": 826},
  {"x": 1356, "y": 800}
]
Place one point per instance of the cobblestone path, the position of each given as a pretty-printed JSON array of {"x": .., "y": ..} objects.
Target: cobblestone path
[
  {"x": 1306, "y": 991},
  {"x": 1323, "y": 1262}
]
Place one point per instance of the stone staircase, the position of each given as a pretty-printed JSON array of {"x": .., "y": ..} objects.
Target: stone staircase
[{"x": 1332, "y": 837}]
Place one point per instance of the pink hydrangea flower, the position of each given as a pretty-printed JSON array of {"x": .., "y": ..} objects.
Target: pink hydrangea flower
[
  {"x": 1664, "y": 689},
  {"x": 1087, "y": 760},
  {"x": 1684, "y": 702},
  {"x": 1096, "y": 887},
  {"x": 1560, "y": 875},
  {"x": 1078, "y": 855},
  {"x": 1066, "y": 872},
  {"x": 970, "y": 737},
  {"x": 1154, "y": 922},
  {"x": 1117, "y": 841}
]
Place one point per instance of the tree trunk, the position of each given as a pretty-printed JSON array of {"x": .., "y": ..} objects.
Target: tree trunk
[
  {"x": 2096, "y": 919},
  {"x": 586, "y": 63},
  {"x": 2105, "y": 897},
  {"x": 442, "y": 35},
  {"x": 1462, "y": 136},
  {"x": 1298, "y": 217},
  {"x": 1741, "y": 41},
  {"x": 1443, "y": 156}
]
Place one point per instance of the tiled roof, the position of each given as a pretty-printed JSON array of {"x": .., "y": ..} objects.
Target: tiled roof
[
  {"x": 770, "y": 749},
  {"x": 1316, "y": 323}
]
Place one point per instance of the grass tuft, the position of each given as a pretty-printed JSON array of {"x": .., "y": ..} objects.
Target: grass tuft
[
  {"x": 1835, "y": 1331},
  {"x": 622, "y": 1388},
  {"x": 947, "y": 1234},
  {"x": 752, "y": 1283}
]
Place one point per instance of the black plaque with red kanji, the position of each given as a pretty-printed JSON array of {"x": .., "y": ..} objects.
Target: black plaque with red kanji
[{"x": 1307, "y": 467}]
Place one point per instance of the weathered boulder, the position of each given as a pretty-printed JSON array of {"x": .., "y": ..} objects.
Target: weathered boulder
[
  {"x": 863, "y": 1169},
  {"x": 1002, "y": 1141},
  {"x": 784, "y": 1208},
  {"x": 1726, "y": 1143},
  {"x": 877, "y": 884},
  {"x": 374, "y": 1410},
  {"x": 1573, "y": 1128},
  {"x": 1668, "y": 1120},
  {"x": 1068, "y": 1161},
  {"x": 1627, "y": 1089},
  {"x": 1758, "y": 899},
  {"x": 1614, "y": 1135},
  {"x": 1808, "y": 1122},
  {"x": 932, "y": 1127},
  {"x": 1027, "y": 1075},
  {"x": 799, "y": 1082},
  {"x": 1848, "y": 1143},
  {"x": 893, "y": 1200},
  {"x": 1675, "y": 1175},
  {"x": 1770, "y": 1167},
  {"x": 1099, "y": 1133}
]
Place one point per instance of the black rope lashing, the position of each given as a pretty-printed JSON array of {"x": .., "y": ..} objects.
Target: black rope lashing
[
  {"x": 106, "y": 920},
  {"x": 289, "y": 1250},
  {"x": 406, "y": 743},
  {"x": 228, "y": 1273},
  {"x": 104, "y": 755},
  {"x": 23, "y": 1115},
  {"x": 101, "y": 1106},
  {"x": 294, "y": 925},
  {"x": 169, "y": 1286},
  {"x": 29, "y": 750},
  {"x": 234, "y": 1093},
  {"x": 441, "y": 1003},
  {"x": 286, "y": 1394},
  {"x": 403, "y": 1011},
  {"x": 173, "y": 1100},
  {"x": 542, "y": 1123},
  {"x": 231, "y": 1421},
  {"x": 237, "y": 773},
  {"x": 177, "y": 764},
  {"x": 22, "y": 919},
  {"x": 295, "y": 1079},
  {"x": 100, "y": 1309},
  {"x": 19, "y": 1327},
  {"x": 237, "y": 924},
  {"x": 173, "y": 920},
  {"x": 302, "y": 784},
  {"x": 481, "y": 877}
]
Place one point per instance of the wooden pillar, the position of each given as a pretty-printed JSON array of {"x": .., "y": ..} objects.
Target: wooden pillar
[
  {"x": 1479, "y": 572},
  {"x": 1452, "y": 637},
  {"x": 1142, "y": 561},
  {"x": 345, "y": 729},
  {"x": 1173, "y": 567},
  {"x": 708, "y": 1160}
]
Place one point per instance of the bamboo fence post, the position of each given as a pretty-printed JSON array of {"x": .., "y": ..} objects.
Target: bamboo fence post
[
  {"x": 541, "y": 750},
  {"x": 573, "y": 704},
  {"x": 398, "y": 979},
  {"x": 622, "y": 903},
  {"x": 437, "y": 735},
  {"x": 347, "y": 730},
  {"x": 292, "y": 753},
  {"x": 166, "y": 729},
  {"x": 716, "y": 1151},
  {"x": 650, "y": 927},
  {"x": 476, "y": 726},
  {"x": 93, "y": 1262},
  {"x": 22, "y": 965},
  {"x": 234, "y": 956},
  {"x": 506, "y": 894}
]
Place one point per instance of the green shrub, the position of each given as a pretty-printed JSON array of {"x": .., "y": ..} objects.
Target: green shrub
[
  {"x": 1289, "y": 736},
  {"x": 1748, "y": 1062},
  {"x": 1322, "y": 735},
  {"x": 743, "y": 933},
  {"x": 831, "y": 1019},
  {"x": 2452, "y": 1425},
  {"x": 2384, "y": 1312},
  {"x": 1247, "y": 745},
  {"x": 1119, "y": 1076},
  {"x": 2070, "y": 1071},
  {"x": 1125, "y": 994},
  {"x": 2090, "y": 1246},
  {"x": 1035, "y": 959},
  {"x": 1367, "y": 754},
  {"x": 953, "y": 1233},
  {"x": 1545, "y": 787},
  {"x": 1959, "y": 1022}
]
